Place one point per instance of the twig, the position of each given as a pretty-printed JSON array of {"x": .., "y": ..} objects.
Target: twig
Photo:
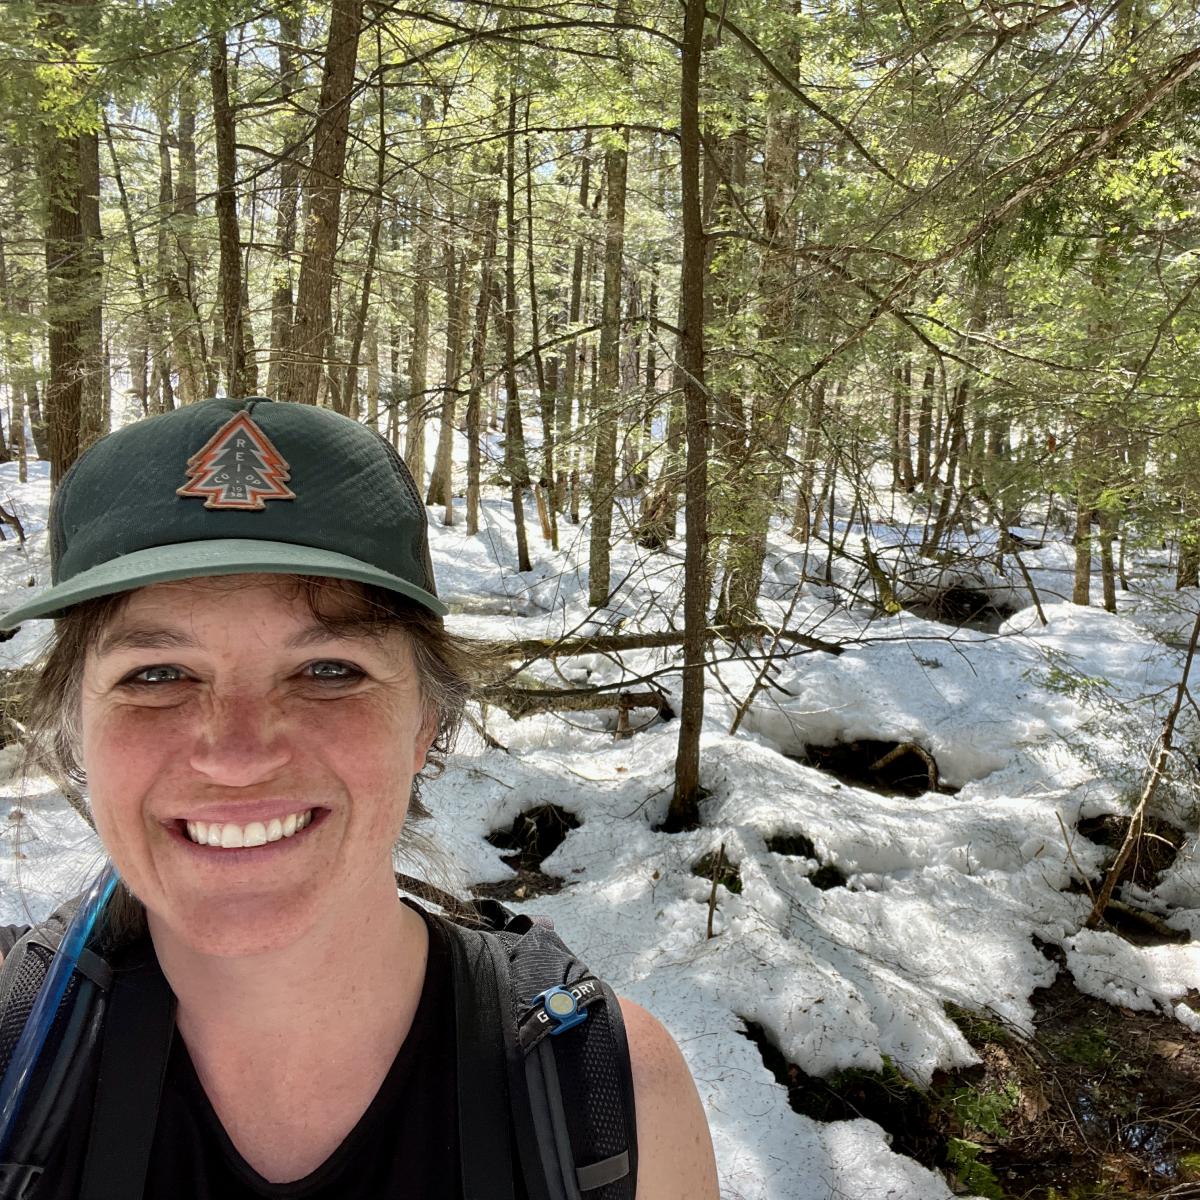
[
  {"x": 712, "y": 895},
  {"x": 1136, "y": 820},
  {"x": 1087, "y": 883}
]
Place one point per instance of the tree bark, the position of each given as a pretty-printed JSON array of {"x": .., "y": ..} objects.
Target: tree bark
[
  {"x": 282, "y": 312},
  {"x": 229, "y": 237},
  {"x": 418, "y": 361},
  {"x": 489, "y": 215},
  {"x": 684, "y": 811},
  {"x": 93, "y": 410},
  {"x": 606, "y": 401},
  {"x": 514, "y": 435},
  {"x": 309, "y": 341},
  {"x": 64, "y": 242},
  {"x": 566, "y": 396}
]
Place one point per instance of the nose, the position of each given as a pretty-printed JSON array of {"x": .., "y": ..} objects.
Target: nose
[{"x": 241, "y": 741}]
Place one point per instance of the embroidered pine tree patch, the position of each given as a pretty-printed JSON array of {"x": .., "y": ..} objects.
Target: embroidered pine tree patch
[{"x": 237, "y": 468}]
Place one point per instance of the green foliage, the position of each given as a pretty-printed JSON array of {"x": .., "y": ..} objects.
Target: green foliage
[
  {"x": 980, "y": 1110},
  {"x": 975, "y": 1177}
]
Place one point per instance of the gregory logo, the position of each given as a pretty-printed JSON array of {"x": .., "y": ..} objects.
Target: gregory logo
[{"x": 237, "y": 468}]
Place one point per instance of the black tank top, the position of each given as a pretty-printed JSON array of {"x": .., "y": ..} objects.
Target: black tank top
[{"x": 405, "y": 1146}]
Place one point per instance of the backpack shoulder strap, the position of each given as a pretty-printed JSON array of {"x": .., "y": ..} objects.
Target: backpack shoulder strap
[
  {"x": 138, "y": 1030},
  {"x": 569, "y": 1080},
  {"x": 483, "y": 1068}
]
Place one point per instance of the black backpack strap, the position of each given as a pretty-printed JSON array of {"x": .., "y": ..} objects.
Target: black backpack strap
[
  {"x": 137, "y": 1037},
  {"x": 485, "y": 1153}
]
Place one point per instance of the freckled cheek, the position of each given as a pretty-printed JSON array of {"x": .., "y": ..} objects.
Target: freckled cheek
[
  {"x": 374, "y": 759},
  {"x": 123, "y": 756}
]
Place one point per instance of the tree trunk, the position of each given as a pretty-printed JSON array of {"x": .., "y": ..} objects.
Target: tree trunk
[
  {"x": 514, "y": 434},
  {"x": 289, "y": 194},
  {"x": 418, "y": 362},
  {"x": 65, "y": 339},
  {"x": 1081, "y": 593},
  {"x": 229, "y": 237},
  {"x": 93, "y": 411},
  {"x": 925, "y": 429},
  {"x": 349, "y": 405},
  {"x": 309, "y": 341},
  {"x": 440, "y": 491},
  {"x": 606, "y": 401},
  {"x": 571, "y": 359},
  {"x": 197, "y": 373},
  {"x": 547, "y": 379},
  {"x": 489, "y": 217},
  {"x": 684, "y": 811},
  {"x": 1108, "y": 531}
]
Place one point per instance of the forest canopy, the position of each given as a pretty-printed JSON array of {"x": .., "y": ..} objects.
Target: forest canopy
[{"x": 956, "y": 239}]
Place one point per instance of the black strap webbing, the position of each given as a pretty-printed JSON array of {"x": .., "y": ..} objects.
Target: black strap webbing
[
  {"x": 483, "y": 1138},
  {"x": 133, "y": 1062}
]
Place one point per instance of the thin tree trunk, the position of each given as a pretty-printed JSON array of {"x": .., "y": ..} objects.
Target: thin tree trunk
[
  {"x": 64, "y": 258},
  {"x": 514, "y": 435},
  {"x": 225, "y": 137},
  {"x": 197, "y": 372},
  {"x": 925, "y": 430},
  {"x": 93, "y": 411},
  {"x": 684, "y": 811},
  {"x": 605, "y": 402},
  {"x": 311, "y": 329},
  {"x": 571, "y": 362},
  {"x": 1081, "y": 593},
  {"x": 289, "y": 194},
  {"x": 489, "y": 216},
  {"x": 546, "y": 380},
  {"x": 440, "y": 491},
  {"x": 350, "y": 389},
  {"x": 418, "y": 362}
]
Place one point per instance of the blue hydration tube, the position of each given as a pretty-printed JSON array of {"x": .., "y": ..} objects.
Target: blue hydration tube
[{"x": 45, "y": 1006}]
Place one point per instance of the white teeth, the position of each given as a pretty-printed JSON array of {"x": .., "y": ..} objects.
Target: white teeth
[{"x": 228, "y": 836}]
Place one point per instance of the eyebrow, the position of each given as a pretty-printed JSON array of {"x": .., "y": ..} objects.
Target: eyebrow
[
  {"x": 151, "y": 638},
  {"x": 143, "y": 638}
]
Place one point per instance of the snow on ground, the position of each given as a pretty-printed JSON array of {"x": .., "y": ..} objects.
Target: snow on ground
[{"x": 1036, "y": 727}]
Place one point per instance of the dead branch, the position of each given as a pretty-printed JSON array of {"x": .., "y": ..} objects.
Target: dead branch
[
  {"x": 13, "y": 521},
  {"x": 1134, "y": 832},
  {"x": 522, "y": 702},
  {"x": 931, "y": 767},
  {"x": 614, "y": 643}
]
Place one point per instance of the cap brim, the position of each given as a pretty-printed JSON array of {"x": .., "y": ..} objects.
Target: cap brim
[{"x": 219, "y": 556}]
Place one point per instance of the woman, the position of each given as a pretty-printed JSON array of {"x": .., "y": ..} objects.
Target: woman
[{"x": 250, "y": 672}]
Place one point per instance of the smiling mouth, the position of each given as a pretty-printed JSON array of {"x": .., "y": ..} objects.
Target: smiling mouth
[{"x": 225, "y": 835}]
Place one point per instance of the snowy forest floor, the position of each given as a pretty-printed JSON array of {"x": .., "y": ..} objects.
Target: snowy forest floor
[{"x": 899, "y": 998}]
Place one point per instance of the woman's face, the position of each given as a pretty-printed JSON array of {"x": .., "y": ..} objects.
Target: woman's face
[{"x": 248, "y": 770}]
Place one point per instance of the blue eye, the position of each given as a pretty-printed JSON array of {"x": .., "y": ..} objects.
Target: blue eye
[
  {"x": 329, "y": 671},
  {"x": 152, "y": 675}
]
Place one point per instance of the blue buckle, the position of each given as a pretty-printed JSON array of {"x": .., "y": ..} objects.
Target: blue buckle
[{"x": 561, "y": 1008}]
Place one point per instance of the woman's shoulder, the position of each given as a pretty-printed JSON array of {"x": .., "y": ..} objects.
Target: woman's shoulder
[{"x": 675, "y": 1155}]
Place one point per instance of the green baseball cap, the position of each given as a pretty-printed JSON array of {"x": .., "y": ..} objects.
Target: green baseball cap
[{"x": 230, "y": 487}]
